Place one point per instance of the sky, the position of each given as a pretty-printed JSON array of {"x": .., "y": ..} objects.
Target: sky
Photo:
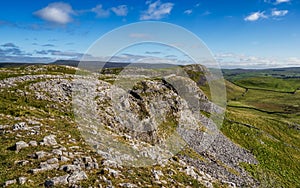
[{"x": 240, "y": 34}]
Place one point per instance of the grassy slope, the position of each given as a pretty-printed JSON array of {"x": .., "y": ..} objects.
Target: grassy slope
[{"x": 269, "y": 136}]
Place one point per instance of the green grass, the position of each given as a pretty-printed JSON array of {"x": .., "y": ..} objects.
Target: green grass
[
  {"x": 270, "y": 101},
  {"x": 281, "y": 80},
  {"x": 270, "y": 138},
  {"x": 270, "y": 83},
  {"x": 275, "y": 145},
  {"x": 233, "y": 91}
]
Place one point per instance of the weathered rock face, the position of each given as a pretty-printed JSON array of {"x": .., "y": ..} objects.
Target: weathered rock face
[
  {"x": 151, "y": 112},
  {"x": 56, "y": 90},
  {"x": 140, "y": 113}
]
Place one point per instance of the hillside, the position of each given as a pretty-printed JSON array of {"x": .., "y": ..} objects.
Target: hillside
[{"x": 42, "y": 143}]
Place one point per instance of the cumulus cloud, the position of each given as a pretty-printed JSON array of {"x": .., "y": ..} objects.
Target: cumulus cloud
[
  {"x": 25, "y": 59},
  {"x": 41, "y": 52},
  {"x": 274, "y": 13},
  {"x": 147, "y": 59},
  {"x": 189, "y": 11},
  {"x": 48, "y": 45},
  {"x": 232, "y": 60},
  {"x": 100, "y": 11},
  {"x": 68, "y": 54},
  {"x": 10, "y": 52},
  {"x": 255, "y": 16},
  {"x": 276, "y": 2},
  {"x": 9, "y": 45},
  {"x": 277, "y": 13},
  {"x": 60, "y": 53},
  {"x": 10, "y": 49},
  {"x": 156, "y": 10},
  {"x": 121, "y": 10},
  {"x": 59, "y": 13},
  {"x": 281, "y": 1}
]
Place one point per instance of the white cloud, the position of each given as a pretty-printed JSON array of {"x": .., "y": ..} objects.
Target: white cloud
[
  {"x": 232, "y": 60},
  {"x": 259, "y": 15},
  {"x": 189, "y": 11},
  {"x": 121, "y": 10},
  {"x": 9, "y": 45},
  {"x": 276, "y": 2},
  {"x": 255, "y": 16},
  {"x": 156, "y": 10},
  {"x": 100, "y": 12},
  {"x": 148, "y": 59},
  {"x": 282, "y": 1},
  {"x": 277, "y": 13},
  {"x": 59, "y": 13}
]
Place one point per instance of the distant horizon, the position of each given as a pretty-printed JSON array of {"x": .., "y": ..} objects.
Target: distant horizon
[{"x": 243, "y": 68}]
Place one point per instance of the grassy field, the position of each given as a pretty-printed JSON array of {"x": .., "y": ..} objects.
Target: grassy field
[
  {"x": 281, "y": 80},
  {"x": 264, "y": 117}
]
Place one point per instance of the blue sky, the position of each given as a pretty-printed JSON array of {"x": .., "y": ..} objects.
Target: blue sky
[{"x": 246, "y": 34}]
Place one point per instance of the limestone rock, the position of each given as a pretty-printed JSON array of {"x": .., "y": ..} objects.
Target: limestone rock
[
  {"x": 22, "y": 180},
  {"x": 49, "y": 140},
  {"x": 10, "y": 182},
  {"x": 64, "y": 159},
  {"x": 112, "y": 172},
  {"x": 20, "y": 145},
  {"x": 44, "y": 166},
  {"x": 77, "y": 176},
  {"x": 52, "y": 161},
  {"x": 41, "y": 154},
  {"x": 21, "y": 162},
  {"x": 70, "y": 168},
  {"x": 157, "y": 174},
  {"x": 20, "y": 126},
  {"x": 128, "y": 185},
  {"x": 63, "y": 180},
  {"x": 57, "y": 151},
  {"x": 33, "y": 143}
]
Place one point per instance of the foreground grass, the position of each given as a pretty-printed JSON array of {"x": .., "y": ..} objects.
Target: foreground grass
[{"x": 275, "y": 145}]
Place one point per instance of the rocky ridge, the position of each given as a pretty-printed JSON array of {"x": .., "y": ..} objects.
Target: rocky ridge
[{"x": 42, "y": 147}]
